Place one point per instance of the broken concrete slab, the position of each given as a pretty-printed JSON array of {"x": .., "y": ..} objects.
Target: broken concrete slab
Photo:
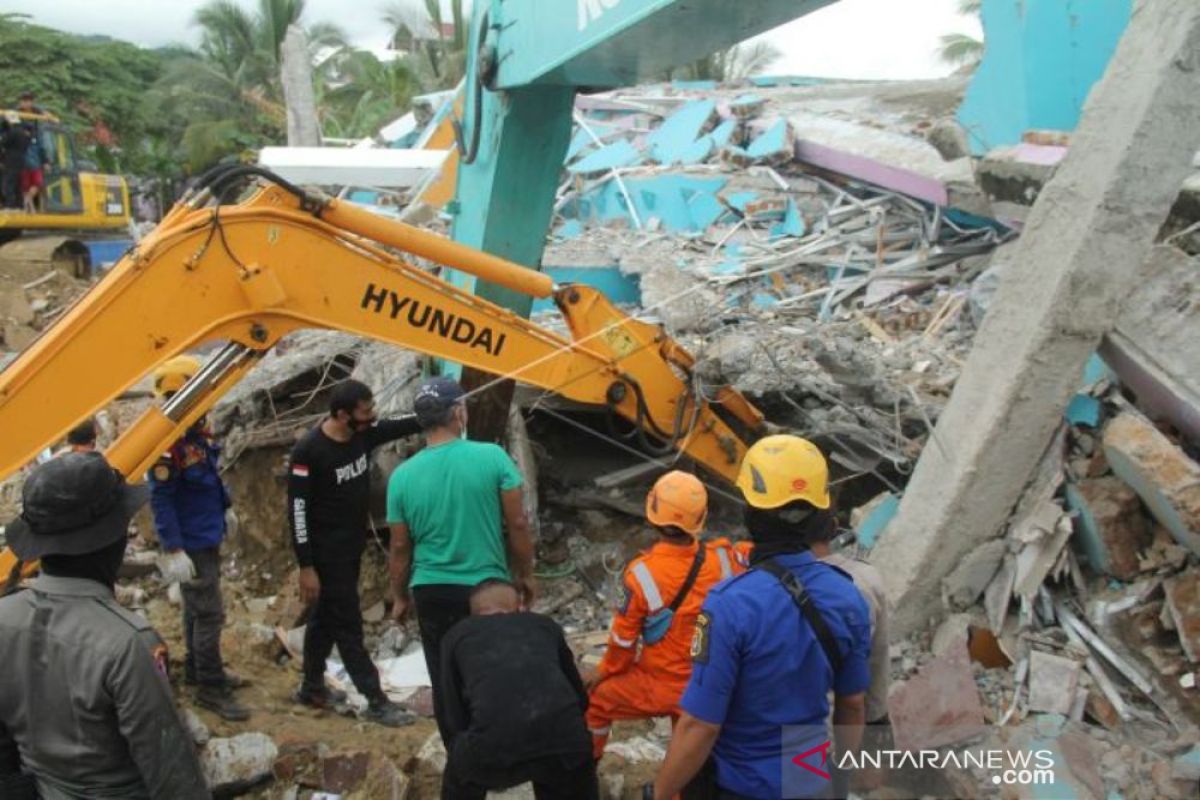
[
  {"x": 1161, "y": 473},
  {"x": 1017, "y": 174},
  {"x": 1110, "y": 527},
  {"x": 773, "y": 145},
  {"x": 384, "y": 780},
  {"x": 1042, "y": 536},
  {"x": 962, "y": 587},
  {"x": 871, "y": 171},
  {"x": 299, "y": 763},
  {"x": 606, "y": 159},
  {"x": 676, "y": 137},
  {"x": 1183, "y": 603},
  {"x": 240, "y": 761},
  {"x": 344, "y": 772},
  {"x": 1064, "y": 281},
  {"x": 1156, "y": 331},
  {"x": 954, "y": 630},
  {"x": 998, "y": 595},
  {"x": 938, "y": 706},
  {"x": 1052, "y": 682},
  {"x": 949, "y": 139}
]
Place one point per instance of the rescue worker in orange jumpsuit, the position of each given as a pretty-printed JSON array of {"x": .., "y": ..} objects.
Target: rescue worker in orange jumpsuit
[{"x": 664, "y": 588}]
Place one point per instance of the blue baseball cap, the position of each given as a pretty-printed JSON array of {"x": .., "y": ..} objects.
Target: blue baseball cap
[{"x": 435, "y": 396}]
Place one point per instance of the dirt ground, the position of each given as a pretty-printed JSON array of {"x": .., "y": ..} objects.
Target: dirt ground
[{"x": 249, "y": 650}]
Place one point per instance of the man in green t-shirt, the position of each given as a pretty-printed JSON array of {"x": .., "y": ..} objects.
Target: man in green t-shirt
[{"x": 445, "y": 507}]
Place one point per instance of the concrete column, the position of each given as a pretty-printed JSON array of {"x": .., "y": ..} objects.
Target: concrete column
[
  {"x": 303, "y": 129},
  {"x": 1063, "y": 285}
]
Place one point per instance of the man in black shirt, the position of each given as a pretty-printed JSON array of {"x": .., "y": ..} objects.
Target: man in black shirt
[
  {"x": 514, "y": 704},
  {"x": 328, "y": 507}
]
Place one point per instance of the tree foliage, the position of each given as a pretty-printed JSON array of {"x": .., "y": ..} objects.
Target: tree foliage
[
  {"x": 438, "y": 58},
  {"x": 959, "y": 49},
  {"x": 733, "y": 64},
  {"x": 96, "y": 85}
]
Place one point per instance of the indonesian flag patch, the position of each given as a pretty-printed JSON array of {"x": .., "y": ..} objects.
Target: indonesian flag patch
[{"x": 300, "y": 470}]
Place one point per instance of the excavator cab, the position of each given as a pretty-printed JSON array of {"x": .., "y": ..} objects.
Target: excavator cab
[{"x": 77, "y": 197}]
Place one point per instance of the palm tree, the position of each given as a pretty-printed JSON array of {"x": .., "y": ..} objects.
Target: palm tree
[
  {"x": 238, "y": 40},
  {"x": 734, "y": 64},
  {"x": 440, "y": 60},
  {"x": 959, "y": 49},
  {"x": 363, "y": 94},
  {"x": 227, "y": 95}
]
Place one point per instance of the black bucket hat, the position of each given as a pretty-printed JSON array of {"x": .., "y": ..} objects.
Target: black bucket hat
[{"x": 71, "y": 505}]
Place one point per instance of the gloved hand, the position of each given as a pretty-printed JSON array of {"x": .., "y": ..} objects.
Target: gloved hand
[
  {"x": 175, "y": 567},
  {"x": 232, "y": 523}
]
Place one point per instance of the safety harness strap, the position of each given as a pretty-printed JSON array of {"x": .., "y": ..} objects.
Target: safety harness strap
[
  {"x": 808, "y": 609},
  {"x": 690, "y": 580}
]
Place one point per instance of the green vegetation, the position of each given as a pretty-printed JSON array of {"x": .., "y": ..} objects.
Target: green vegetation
[
  {"x": 175, "y": 111},
  {"x": 959, "y": 49}
]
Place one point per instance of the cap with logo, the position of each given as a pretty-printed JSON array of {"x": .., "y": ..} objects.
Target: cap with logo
[{"x": 435, "y": 396}]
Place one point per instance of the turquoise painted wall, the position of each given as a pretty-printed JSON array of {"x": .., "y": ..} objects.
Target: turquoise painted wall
[{"x": 1043, "y": 56}]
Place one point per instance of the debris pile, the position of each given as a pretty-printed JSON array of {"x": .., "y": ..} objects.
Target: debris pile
[
  {"x": 1080, "y": 626},
  {"x": 29, "y": 304},
  {"x": 826, "y": 250},
  {"x": 828, "y": 276}
]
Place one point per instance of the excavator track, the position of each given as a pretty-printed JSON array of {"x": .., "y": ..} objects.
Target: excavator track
[{"x": 34, "y": 255}]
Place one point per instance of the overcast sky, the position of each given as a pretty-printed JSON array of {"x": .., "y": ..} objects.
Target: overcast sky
[{"x": 849, "y": 39}]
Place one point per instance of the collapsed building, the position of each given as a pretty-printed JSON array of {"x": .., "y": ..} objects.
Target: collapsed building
[{"x": 832, "y": 250}]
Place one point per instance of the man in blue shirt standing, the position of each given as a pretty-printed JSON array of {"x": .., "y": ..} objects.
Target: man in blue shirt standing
[
  {"x": 770, "y": 645},
  {"x": 189, "y": 501}
]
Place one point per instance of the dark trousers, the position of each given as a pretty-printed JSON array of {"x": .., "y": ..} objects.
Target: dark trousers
[
  {"x": 705, "y": 787},
  {"x": 203, "y": 618},
  {"x": 439, "y": 607},
  {"x": 10, "y": 186},
  {"x": 553, "y": 777},
  {"x": 337, "y": 619}
]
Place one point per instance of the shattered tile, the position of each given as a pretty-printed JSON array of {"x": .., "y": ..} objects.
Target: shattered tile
[
  {"x": 939, "y": 705},
  {"x": 1052, "y": 682},
  {"x": 680, "y": 131},
  {"x": 613, "y": 156}
]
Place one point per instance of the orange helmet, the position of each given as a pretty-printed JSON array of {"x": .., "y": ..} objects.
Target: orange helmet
[{"x": 678, "y": 500}]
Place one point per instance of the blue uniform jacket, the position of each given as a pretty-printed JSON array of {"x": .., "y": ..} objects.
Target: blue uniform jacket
[
  {"x": 187, "y": 495},
  {"x": 757, "y": 667}
]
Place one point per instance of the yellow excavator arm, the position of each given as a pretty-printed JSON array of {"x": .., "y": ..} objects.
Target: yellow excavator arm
[{"x": 285, "y": 259}]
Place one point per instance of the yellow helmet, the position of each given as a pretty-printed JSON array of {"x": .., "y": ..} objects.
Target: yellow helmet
[
  {"x": 678, "y": 500},
  {"x": 781, "y": 469},
  {"x": 173, "y": 374}
]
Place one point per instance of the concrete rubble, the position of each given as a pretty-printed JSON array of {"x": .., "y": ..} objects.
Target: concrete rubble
[
  {"x": 826, "y": 249},
  {"x": 239, "y": 762}
]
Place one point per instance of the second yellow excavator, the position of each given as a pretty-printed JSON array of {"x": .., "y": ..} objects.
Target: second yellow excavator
[{"x": 282, "y": 259}]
